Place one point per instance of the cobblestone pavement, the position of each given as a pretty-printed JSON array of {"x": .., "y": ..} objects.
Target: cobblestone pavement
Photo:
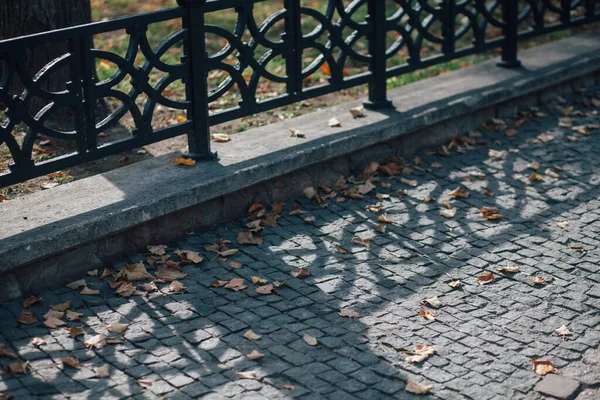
[{"x": 191, "y": 344}]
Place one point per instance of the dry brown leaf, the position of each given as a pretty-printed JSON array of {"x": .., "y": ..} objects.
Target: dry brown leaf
[
  {"x": 341, "y": 250},
  {"x": 117, "y": 328},
  {"x": 235, "y": 264},
  {"x": 538, "y": 280},
  {"x": 257, "y": 281},
  {"x": 236, "y": 284},
  {"x": 458, "y": 192},
  {"x": 62, "y": 306},
  {"x": 551, "y": 173},
  {"x": 543, "y": 367},
  {"x": 446, "y": 204},
  {"x": 385, "y": 219},
  {"x": 428, "y": 199},
  {"x": 415, "y": 387},
  {"x": 296, "y": 133},
  {"x": 511, "y": 132},
  {"x": 38, "y": 341},
  {"x": 335, "y": 123},
  {"x": 248, "y": 238},
  {"x": 380, "y": 228},
  {"x": 309, "y": 220},
  {"x": 144, "y": 383},
  {"x": 27, "y": 318},
  {"x": 267, "y": 289},
  {"x": 563, "y": 331},
  {"x": 349, "y": 313},
  {"x": 488, "y": 192},
  {"x": 534, "y": 177},
  {"x": 70, "y": 361},
  {"x": 300, "y": 273},
  {"x": 54, "y": 313},
  {"x": 17, "y": 368},
  {"x": 247, "y": 375},
  {"x": 420, "y": 353},
  {"x": 75, "y": 331},
  {"x": 188, "y": 162},
  {"x": 6, "y": 353},
  {"x": 309, "y": 339},
  {"x": 53, "y": 322},
  {"x": 436, "y": 164},
  {"x": 98, "y": 341},
  {"x": 77, "y": 284},
  {"x": 93, "y": 272},
  {"x": 220, "y": 137},
  {"x": 491, "y": 213},
  {"x": 250, "y": 335},
  {"x": 176, "y": 287},
  {"x": 106, "y": 273},
  {"x": 361, "y": 241},
  {"x": 31, "y": 301},
  {"x": 88, "y": 291},
  {"x": 428, "y": 315},
  {"x": 497, "y": 155},
  {"x": 409, "y": 182},
  {"x": 188, "y": 256},
  {"x": 448, "y": 213},
  {"x": 170, "y": 274},
  {"x": 357, "y": 112},
  {"x": 455, "y": 284},
  {"x": 228, "y": 252},
  {"x": 509, "y": 269},
  {"x": 486, "y": 278},
  {"x": 562, "y": 224},
  {"x": 157, "y": 250},
  {"x": 134, "y": 272},
  {"x": 365, "y": 188},
  {"x": 101, "y": 372},
  {"x": 288, "y": 387},
  {"x": 255, "y": 355},
  {"x": 433, "y": 302},
  {"x": 218, "y": 283}
]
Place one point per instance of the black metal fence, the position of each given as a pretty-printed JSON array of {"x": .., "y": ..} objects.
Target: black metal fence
[{"x": 345, "y": 32}]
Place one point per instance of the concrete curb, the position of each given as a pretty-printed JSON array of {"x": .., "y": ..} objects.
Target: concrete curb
[{"x": 46, "y": 235}]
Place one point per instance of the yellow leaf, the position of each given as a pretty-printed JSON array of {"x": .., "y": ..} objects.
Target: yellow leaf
[
  {"x": 181, "y": 118},
  {"x": 188, "y": 162},
  {"x": 543, "y": 367}
]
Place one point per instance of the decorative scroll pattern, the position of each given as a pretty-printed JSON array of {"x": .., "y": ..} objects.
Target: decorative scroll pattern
[{"x": 539, "y": 15}]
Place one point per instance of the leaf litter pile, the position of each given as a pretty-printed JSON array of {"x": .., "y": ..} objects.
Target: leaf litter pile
[{"x": 162, "y": 271}]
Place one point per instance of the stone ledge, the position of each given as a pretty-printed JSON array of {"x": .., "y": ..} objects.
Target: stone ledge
[{"x": 58, "y": 221}]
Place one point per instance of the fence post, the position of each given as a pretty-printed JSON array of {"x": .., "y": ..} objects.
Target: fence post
[
  {"x": 510, "y": 13},
  {"x": 292, "y": 36},
  {"x": 194, "y": 53},
  {"x": 377, "y": 32},
  {"x": 565, "y": 15},
  {"x": 590, "y": 8}
]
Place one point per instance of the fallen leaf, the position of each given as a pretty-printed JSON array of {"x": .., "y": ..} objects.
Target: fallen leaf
[
  {"x": 288, "y": 387},
  {"x": 248, "y": 238},
  {"x": 134, "y": 272},
  {"x": 255, "y": 355},
  {"x": 551, "y": 173},
  {"x": 309, "y": 220},
  {"x": 385, "y": 219},
  {"x": 357, "y": 112},
  {"x": 543, "y": 367},
  {"x": 188, "y": 162},
  {"x": 70, "y": 361},
  {"x": 563, "y": 331},
  {"x": 511, "y": 132},
  {"x": 310, "y": 340},
  {"x": 296, "y": 133},
  {"x": 170, "y": 274},
  {"x": 88, "y": 291},
  {"x": 562, "y": 224},
  {"x": 420, "y": 353},
  {"x": 341, "y": 250},
  {"x": 17, "y": 368},
  {"x": 409, "y": 182},
  {"x": 267, "y": 289},
  {"x": 31, "y": 301},
  {"x": 236, "y": 284},
  {"x": 491, "y": 213},
  {"x": 538, "y": 280},
  {"x": 101, "y": 372},
  {"x": 380, "y": 228},
  {"x": 458, "y": 192},
  {"x": 6, "y": 353},
  {"x": 53, "y": 323},
  {"x": 247, "y": 375},
  {"x": 310, "y": 193},
  {"x": 27, "y": 318},
  {"x": 220, "y": 137},
  {"x": 428, "y": 199},
  {"x": 106, "y": 273},
  {"x": 117, "y": 328},
  {"x": 455, "y": 284},
  {"x": 77, "y": 284},
  {"x": 37, "y": 341},
  {"x": 54, "y": 313},
  {"x": 509, "y": 269},
  {"x": 257, "y": 281},
  {"x": 176, "y": 287},
  {"x": 228, "y": 252},
  {"x": 144, "y": 383},
  {"x": 300, "y": 273},
  {"x": 433, "y": 302},
  {"x": 486, "y": 278},
  {"x": 365, "y": 188},
  {"x": 436, "y": 164},
  {"x": 75, "y": 331},
  {"x": 448, "y": 213},
  {"x": 428, "y": 315},
  {"x": 124, "y": 289},
  {"x": 295, "y": 210},
  {"x": 235, "y": 264},
  {"x": 98, "y": 341},
  {"x": 335, "y": 123},
  {"x": 446, "y": 204},
  {"x": 149, "y": 287},
  {"x": 218, "y": 283},
  {"x": 534, "y": 177},
  {"x": 349, "y": 313},
  {"x": 416, "y": 387},
  {"x": 497, "y": 155},
  {"x": 250, "y": 335},
  {"x": 62, "y": 306},
  {"x": 188, "y": 256},
  {"x": 93, "y": 272}
]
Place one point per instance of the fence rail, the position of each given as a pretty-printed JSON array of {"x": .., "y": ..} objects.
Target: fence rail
[{"x": 345, "y": 35}]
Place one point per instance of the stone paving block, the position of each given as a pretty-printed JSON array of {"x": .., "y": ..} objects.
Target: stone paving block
[{"x": 557, "y": 386}]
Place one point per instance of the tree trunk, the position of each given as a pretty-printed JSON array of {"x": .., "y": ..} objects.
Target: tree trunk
[{"x": 24, "y": 17}]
